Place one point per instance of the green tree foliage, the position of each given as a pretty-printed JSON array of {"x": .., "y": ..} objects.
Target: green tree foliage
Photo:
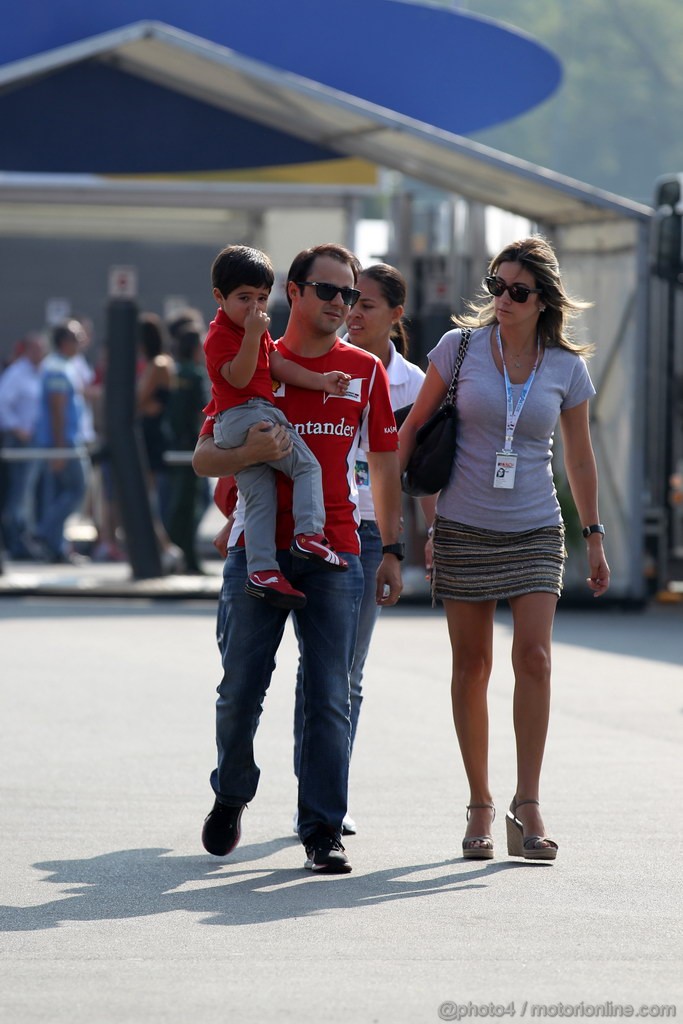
[{"x": 616, "y": 120}]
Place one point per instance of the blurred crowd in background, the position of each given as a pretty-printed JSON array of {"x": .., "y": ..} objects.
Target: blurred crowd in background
[{"x": 54, "y": 465}]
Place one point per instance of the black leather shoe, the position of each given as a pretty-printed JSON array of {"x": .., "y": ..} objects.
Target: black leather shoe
[
  {"x": 325, "y": 854},
  {"x": 221, "y": 831}
]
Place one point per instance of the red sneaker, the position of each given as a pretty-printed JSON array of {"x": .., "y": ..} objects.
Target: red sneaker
[
  {"x": 272, "y": 586},
  {"x": 315, "y": 548}
]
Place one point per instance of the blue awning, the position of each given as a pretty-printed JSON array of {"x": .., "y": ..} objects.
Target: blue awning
[
  {"x": 451, "y": 69},
  {"x": 231, "y": 100}
]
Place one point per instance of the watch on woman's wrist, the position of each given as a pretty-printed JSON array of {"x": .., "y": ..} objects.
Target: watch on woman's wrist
[
  {"x": 395, "y": 549},
  {"x": 594, "y": 528}
]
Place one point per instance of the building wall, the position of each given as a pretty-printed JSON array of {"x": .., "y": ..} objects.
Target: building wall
[{"x": 40, "y": 270}]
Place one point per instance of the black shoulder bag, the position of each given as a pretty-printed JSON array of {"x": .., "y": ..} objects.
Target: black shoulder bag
[{"x": 430, "y": 465}]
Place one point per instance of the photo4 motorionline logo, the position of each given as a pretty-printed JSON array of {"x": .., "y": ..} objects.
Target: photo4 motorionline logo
[{"x": 460, "y": 1011}]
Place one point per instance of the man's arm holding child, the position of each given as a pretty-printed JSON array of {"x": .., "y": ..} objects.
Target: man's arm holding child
[{"x": 264, "y": 443}]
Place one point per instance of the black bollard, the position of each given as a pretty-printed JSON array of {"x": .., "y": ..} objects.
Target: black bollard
[{"x": 124, "y": 443}]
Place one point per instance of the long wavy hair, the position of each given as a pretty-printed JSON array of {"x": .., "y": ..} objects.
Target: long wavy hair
[{"x": 537, "y": 256}]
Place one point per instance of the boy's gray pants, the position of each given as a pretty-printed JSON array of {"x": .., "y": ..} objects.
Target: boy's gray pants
[{"x": 256, "y": 484}]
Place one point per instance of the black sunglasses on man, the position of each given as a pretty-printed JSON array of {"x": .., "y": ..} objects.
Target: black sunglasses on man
[{"x": 326, "y": 292}]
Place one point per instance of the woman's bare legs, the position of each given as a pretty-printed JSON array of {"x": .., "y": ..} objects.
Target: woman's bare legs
[
  {"x": 470, "y": 627},
  {"x": 533, "y": 616}
]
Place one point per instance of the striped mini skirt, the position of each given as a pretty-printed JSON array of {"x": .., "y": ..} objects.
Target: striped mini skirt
[{"x": 471, "y": 564}]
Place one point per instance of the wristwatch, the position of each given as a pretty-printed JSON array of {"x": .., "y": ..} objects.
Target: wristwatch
[
  {"x": 395, "y": 549},
  {"x": 595, "y": 528}
]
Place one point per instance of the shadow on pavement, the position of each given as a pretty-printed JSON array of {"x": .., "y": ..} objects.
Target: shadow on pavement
[{"x": 141, "y": 883}]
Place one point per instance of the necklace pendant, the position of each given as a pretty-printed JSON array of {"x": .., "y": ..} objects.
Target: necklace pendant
[{"x": 517, "y": 363}]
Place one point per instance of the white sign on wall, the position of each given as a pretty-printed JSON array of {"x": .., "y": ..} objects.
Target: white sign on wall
[{"x": 123, "y": 282}]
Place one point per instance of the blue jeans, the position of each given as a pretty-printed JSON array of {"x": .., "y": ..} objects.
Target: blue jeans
[
  {"x": 370, "y": 558},
  {"x": 249, "y": 632},
  {"x": 16, "y": 509},
  {"x": 63, "y": 493}
]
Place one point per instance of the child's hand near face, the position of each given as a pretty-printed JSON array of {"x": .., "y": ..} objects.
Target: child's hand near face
[{"x": 257, "y": 321}]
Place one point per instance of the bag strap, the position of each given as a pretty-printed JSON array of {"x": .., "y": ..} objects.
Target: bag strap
[{"x": 465, "y": 336}]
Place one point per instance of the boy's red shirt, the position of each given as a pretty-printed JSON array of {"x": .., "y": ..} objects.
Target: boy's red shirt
[
  {"x": 221, "y": 345},
  {"x": 331, "y": 426}
]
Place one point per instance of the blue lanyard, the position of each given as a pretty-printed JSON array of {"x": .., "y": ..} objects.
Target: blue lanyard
[{"x": 513, "y": 416}]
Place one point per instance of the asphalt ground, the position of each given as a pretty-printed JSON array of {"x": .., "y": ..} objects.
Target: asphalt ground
[{"x": 110, "y": 910}]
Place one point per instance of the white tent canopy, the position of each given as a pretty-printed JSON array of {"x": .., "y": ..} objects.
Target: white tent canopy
[{"x": 332, "y": 119}]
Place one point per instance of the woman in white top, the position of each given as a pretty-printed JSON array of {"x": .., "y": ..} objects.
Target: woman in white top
[{"x": 375, "y": 325}]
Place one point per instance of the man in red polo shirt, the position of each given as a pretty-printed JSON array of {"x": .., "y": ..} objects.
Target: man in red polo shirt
[{"x": 320, "y": 289}]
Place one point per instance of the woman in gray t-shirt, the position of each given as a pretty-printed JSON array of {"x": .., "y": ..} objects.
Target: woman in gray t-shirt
[{"x": 498, "y": 532}]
